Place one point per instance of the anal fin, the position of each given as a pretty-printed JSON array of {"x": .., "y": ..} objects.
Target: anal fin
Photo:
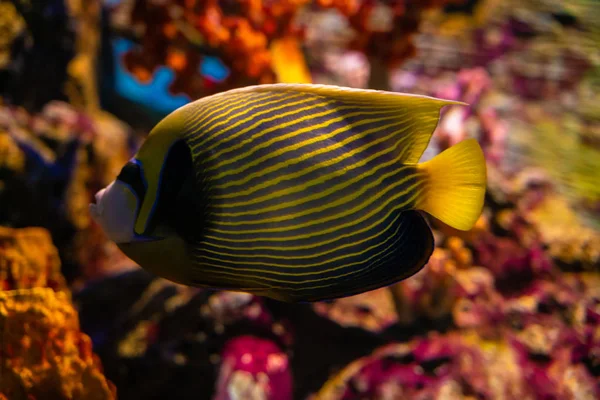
[{"x": 409, "y": 256}]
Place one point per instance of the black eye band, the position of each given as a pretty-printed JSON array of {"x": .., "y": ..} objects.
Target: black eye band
[
  {"x": 131, "y": 174},
  {"x": 176, "y": 168}
]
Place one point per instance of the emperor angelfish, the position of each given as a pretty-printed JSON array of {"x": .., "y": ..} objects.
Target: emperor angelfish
[{"x": 291, "y": 191}]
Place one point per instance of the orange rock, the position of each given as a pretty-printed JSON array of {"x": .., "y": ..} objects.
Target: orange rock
[
  {"x": 28, "y": 259},
  {"x": 43, "y": 354},
  {"x": 11, "y": 156}
]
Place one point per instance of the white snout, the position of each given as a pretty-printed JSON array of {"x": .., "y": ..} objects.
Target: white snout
[{"x": 115, "y": 210}]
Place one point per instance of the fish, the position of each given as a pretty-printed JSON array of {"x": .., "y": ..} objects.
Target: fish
[{"x": 295, "y": 192}]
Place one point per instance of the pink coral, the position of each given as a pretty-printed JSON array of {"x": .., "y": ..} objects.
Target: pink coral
[
  {"x": 253, "y": 368},
  {"x": 373, "y": 311},
  {"x": 508, "y": 260},
  {"x": 461, "y": 365}
]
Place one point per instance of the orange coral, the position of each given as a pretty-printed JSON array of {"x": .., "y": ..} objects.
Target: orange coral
[
  {"x": 240, "y": 33},
  {"x": 43, "y": 355},
  {"x": 28, "y": 259},
  {"x": 245, "y": 34}
]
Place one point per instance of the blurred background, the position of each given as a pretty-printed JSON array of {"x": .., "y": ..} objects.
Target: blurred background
[{"x": 508, "y": 310}]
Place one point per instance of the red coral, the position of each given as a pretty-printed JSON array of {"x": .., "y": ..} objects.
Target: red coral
[
  {"x": 386, "y": 28},
  {"x": 177, "y": 33}
]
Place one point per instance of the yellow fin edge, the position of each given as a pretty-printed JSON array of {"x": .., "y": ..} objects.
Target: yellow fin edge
[
  {"x": 376, "y": 97},
  {"x": 456, "y": 184}
]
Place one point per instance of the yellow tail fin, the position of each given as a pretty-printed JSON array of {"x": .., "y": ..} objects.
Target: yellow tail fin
[{"x": 456, "y": 181}]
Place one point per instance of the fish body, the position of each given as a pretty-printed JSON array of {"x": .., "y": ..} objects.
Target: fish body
[{"x": 294, "y": 192}]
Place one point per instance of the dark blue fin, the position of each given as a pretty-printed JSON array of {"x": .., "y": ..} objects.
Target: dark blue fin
[{"x": 409, "y": 257}]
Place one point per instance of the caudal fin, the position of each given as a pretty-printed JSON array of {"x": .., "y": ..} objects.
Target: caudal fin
[{"x": 456, "y": 181}]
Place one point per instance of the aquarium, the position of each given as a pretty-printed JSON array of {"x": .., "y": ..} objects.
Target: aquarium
[{"x": 299, "y": 199}]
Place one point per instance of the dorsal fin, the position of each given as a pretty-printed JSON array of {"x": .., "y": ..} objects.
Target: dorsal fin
[{"x": 419, "y": 112}]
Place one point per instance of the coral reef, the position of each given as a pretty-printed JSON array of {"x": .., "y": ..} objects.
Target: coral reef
[
  {"x": 461, "y": 366},
  {"x": 546, "y": 217},
  {"x": 508, "y": 310},
  {"x": 52, "y": 163},
  {"x": 179, "y": 35},
  {"x": 257, "y": 374},
  {"x": 373, "y": 311},
  {"x": 384, "y": 31},
  {"x": 43, "y": 353},
  {"x": 28, "y": 259},
  {"x": 258, "y": 40},
  {"x": 38, "y": 44},
  {"x": 527, "y": 70}
]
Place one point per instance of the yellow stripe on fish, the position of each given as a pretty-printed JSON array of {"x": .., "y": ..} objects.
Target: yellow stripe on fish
[
  {"x": 211, "y": 111},
  {"x": 219, "y": 129}
]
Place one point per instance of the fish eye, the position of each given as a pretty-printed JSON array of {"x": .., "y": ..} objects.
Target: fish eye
[{"x": 131, "y": 174}]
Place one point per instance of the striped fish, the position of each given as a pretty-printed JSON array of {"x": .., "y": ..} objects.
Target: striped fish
[{"x": 294, "y": 192}]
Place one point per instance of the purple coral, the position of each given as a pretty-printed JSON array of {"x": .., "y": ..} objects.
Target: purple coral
[{"x": 513, "y": 265}]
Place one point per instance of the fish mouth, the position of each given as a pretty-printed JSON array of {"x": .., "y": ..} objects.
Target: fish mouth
[{"x": 95, "y": 207}]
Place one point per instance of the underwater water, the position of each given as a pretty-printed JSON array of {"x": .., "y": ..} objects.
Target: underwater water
[{"x": 509, "y": 309}]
